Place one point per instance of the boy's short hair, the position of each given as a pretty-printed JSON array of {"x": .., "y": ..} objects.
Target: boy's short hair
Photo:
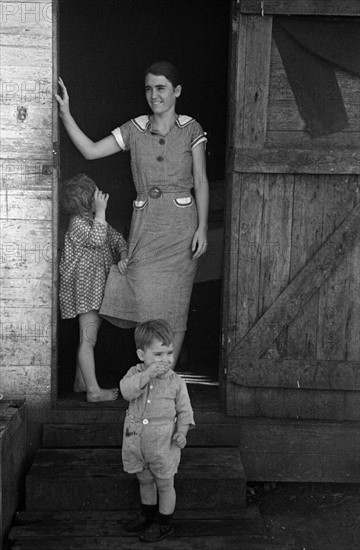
[
  {"x": 156, "y": 329},
  {"x": 77, "y": 193}
]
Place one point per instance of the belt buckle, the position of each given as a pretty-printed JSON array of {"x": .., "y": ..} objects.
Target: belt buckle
[{"x": 155, "y": 192}]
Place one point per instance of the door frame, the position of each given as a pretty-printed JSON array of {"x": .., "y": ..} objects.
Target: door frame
[
  {"x": 55, "y": 205},
  {"x": 233, "y": 4}
]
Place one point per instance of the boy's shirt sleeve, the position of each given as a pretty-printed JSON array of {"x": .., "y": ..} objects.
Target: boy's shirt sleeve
[
  {"x": 184, "y": 412},
  {"x": 130, "y": 384},
  {"x": 87, "y": 233}
]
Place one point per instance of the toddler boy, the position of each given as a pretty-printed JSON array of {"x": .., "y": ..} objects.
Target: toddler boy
[{"x": 157, "y": 421}]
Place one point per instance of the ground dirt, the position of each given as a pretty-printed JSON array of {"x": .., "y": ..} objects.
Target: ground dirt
[{"x": 309, "y": 516}]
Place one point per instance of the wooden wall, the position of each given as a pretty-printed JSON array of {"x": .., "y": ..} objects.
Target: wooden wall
[
  {"x": 291, "y": 306},
  {"x": 27, "y": 175}
]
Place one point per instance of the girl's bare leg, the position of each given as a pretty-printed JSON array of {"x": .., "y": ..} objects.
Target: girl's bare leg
[
  {"x": 79, "y": 382},
  {"x": 89, "y": 325},
  {"x": 178, "y": 341}
]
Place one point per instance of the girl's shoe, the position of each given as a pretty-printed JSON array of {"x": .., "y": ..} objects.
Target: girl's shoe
[
  {"x": 156, "y": 531},
  {"x": 137, "y": 524}
]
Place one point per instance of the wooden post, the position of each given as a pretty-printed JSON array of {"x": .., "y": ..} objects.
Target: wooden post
[{"x": 27, "y": 187}]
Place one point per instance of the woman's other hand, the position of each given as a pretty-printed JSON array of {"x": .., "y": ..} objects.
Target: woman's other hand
[
  {"x": 199, "y": 243},
  {"x": 63, "y": 100},
  {"x": 123, "y": 266}
]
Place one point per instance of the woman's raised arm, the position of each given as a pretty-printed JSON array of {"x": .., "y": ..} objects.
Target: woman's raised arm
[{"x": 88, "y": 148}]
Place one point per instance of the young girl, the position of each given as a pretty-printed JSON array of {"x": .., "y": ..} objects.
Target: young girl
[{"x": 91, "y": 246}]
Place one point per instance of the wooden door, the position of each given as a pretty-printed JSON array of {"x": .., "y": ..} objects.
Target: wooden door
[{"x": 291, "y": 309}]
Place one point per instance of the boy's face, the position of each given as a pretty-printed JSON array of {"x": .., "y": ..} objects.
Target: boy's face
[{"x": 157, "y": 352}]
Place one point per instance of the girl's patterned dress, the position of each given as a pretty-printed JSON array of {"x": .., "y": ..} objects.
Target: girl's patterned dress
[
  {"x": 91, "y": 247},
  {"x": 161, "y": 270}
]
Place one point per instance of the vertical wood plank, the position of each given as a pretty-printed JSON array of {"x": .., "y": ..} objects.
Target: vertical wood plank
[
  {"x": 306, "y": 239},
  {"x": 352, "y": 334},
  {"x": 248, "y": 289},
  {"x": 253, "y": 75},
  {"x": 340, "y": 198},
  {"x": 275, "y": 238},
  {"x": 231, "y": 200},
  {"x": 234, "y": 84}
]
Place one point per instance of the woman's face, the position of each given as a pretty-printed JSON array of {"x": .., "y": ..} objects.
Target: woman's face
[{"x": 160, "y": 94}]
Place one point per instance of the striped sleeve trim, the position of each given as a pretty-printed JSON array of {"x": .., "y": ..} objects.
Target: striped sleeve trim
[
  {"x": 119, "y": 139},
  {"x": 199, "y": 139}
]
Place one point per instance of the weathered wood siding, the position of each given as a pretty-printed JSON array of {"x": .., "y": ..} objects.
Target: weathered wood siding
[
  {"x": 28, "y": 254},
  {"x": 292, "y": 310}
]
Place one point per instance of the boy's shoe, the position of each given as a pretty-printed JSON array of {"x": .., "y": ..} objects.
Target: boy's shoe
[
  {"x": 156, "y": 531},
  {"x": 137, "y": 524}
]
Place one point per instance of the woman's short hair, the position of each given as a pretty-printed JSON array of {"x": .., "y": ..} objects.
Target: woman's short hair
[
  {"x": 77, "y": 193},
  {"x": 149, "y": 331},
  {"x": 164, "y": 68}
]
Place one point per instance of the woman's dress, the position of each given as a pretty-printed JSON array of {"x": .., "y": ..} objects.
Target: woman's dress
[{"x": 161, "y": 268}]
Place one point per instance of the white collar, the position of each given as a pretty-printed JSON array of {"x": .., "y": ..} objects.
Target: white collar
[{"x": 143, "y": 122}]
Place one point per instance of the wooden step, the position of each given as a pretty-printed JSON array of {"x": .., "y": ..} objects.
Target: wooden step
[
  {"x": 171, "y": 543},
  {"x": 194, "y": 530},
  {"x": 93, "y": 479},
  {"x": 108, "y": 434},
  {"x": 92, "y": 434}
]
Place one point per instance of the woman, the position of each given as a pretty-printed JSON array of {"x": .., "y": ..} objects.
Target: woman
[{"x": 168, "y": 230}]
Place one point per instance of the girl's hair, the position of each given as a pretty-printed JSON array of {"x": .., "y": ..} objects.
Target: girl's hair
[
  {"x": 164, "y": 68},
  {"x": 77, "y": 193},
  {"x": 157, "y": 329}
]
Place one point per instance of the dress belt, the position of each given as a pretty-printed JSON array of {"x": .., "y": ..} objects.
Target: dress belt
[
  {"x": 156, "y": 191},
  {"x": 150, "y": 420}
]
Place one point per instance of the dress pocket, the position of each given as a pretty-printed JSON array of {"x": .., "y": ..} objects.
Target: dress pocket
[
  {"x": 183, "y": 202},
  {"x": 139, "y": 205}
]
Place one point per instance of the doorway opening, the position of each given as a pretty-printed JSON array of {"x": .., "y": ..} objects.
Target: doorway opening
[{"x": 104, "y": 48}]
